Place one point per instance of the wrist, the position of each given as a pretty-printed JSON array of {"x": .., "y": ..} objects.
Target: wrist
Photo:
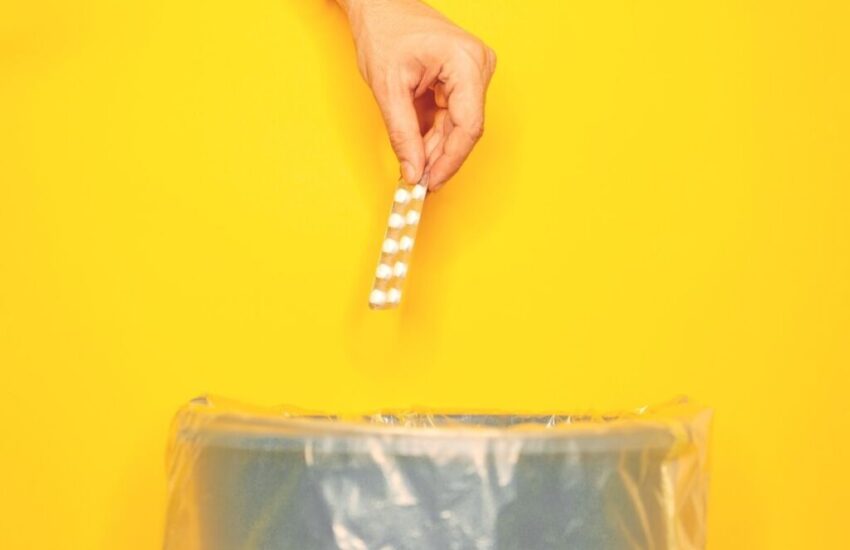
[
  {"x": 353, "y": 6},
  {"x": 352, "y": 9}
]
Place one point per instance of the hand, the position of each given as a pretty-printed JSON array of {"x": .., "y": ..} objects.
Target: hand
[{"x": 429, "y": 78}]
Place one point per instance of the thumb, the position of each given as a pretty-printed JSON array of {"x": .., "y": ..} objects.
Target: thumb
[{"x": 403, "y": 129}]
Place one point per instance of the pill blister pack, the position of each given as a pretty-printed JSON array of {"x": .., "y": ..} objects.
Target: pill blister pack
[{"x": 398, "y": 245}]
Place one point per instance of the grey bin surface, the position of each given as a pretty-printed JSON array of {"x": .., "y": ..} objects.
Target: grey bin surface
[{"x": 247, "y": 480}]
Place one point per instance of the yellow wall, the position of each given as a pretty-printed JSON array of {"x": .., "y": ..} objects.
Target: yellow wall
[{"x": 192, "y": 197}]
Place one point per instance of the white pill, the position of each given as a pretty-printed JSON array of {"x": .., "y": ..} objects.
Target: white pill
[
  {"x": 405, "y": 244},
  {"x": 419, "y": 192},
  {"x": 384, "y": 271},
  {"x": 400, "y": 269},
  {"x": 412, "y": 217},
  {"x": 394, "y": 296},
  {"x": 402, "y": 196},
  {"x": 377, "y": 297},
  {"x": 390, "y": 246},
  {"x": 396, "y": 220}
]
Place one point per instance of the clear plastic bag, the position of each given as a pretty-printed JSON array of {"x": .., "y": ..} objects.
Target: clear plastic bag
[{"x": 243, "y": 478}]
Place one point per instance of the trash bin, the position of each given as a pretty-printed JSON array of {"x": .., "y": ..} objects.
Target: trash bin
[{"x": 242, "y": 478}]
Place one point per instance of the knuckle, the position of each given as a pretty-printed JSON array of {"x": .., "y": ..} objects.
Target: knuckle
[
  {"x": 482, "y": 57},
  {"x": 378, "y": 83},
  {"x": 491, "y": 58},
  {"x": 473, "y": 48},
  {"x": 476, "y": 129},
  {"x": 397, "y": 138},
  {"x": 383, "y": 80}
]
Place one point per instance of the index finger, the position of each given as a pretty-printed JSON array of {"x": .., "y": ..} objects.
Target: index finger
[
  {"x": 396, "y": 104},
  {"x": 466, "y": 113}
]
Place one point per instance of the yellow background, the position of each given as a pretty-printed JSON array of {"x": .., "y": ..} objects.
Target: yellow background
[{"x": 192, "y": 197}]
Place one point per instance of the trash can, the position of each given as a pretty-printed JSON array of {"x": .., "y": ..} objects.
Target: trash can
[{"x": 242, "y": 478}]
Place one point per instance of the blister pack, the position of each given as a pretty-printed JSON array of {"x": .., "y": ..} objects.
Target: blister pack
[{"x": 398, "y": 245}]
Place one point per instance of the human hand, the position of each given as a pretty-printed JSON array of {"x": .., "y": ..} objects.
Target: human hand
[{"x": 429, "y": 78}]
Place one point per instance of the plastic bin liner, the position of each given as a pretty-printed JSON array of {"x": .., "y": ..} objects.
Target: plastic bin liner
[{"x": 242, "y": 478}]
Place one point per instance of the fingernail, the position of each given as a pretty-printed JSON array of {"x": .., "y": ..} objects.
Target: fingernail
[{"x": 408, "y": 172}]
